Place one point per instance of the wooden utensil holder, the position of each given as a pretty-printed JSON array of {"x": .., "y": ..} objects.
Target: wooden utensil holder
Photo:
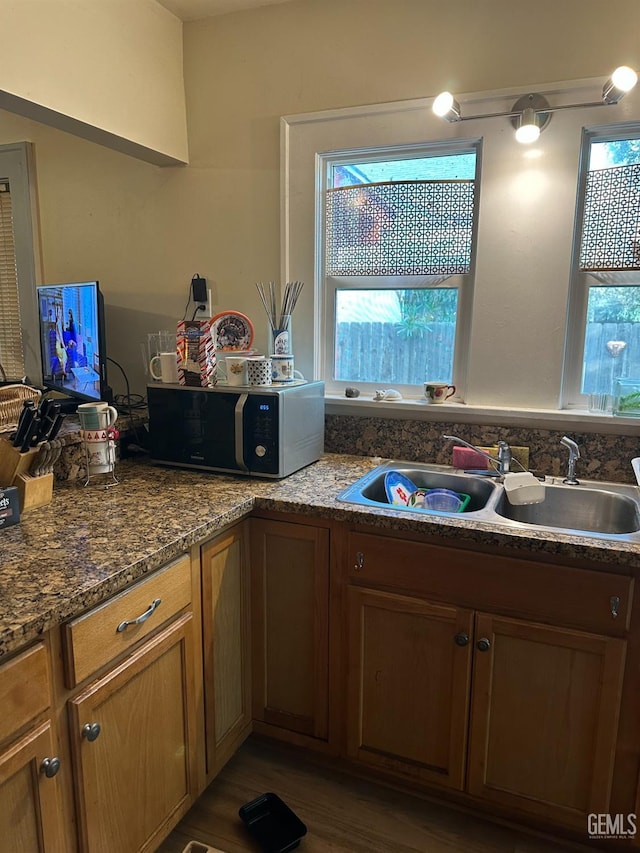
[
  {"x": 33, "y": 491},
  {"x": 12, "y": 462},
  {"x": 14, "y": 471}
]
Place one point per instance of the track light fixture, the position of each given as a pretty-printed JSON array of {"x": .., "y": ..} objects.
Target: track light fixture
[{"x": 532, "y": 113}]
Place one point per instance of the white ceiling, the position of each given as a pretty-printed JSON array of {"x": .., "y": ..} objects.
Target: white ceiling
[{"x": 193, "y": 10}]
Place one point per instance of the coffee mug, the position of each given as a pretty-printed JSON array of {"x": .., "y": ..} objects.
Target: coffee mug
[
  {"x": 236, "y": 370},
  {"x": 164, "y": 367},
  {"x": 94, "y": 416},
  {"x": 101, "y": 450},
  {"x": 283, "y": 370},
  {"x": 222, "y": 373},
  {"x": 436, "y": 392},
  {"x": 259, "y": 371}
]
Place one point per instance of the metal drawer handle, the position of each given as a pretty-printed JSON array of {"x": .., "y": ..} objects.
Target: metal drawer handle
[
  {"x": 614, "y": 603},
  {"x": 154, "y": 606},
  {"x": 359, "y": 566},
  {"x": 50, "y": 767}
]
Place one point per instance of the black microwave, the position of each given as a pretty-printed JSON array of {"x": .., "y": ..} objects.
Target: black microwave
[{"x": 262, "y": 431}]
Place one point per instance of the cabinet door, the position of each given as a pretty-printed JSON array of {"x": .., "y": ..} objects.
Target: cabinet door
[
  {"x": 136, "y": 775},
  {"x": 409, "y": 665},
  {"x": 544, "y": 718},
  {"x": 225, "y": 625},
  {"x": 30, "y": 800},
  {"x": 290, "y": 626}
]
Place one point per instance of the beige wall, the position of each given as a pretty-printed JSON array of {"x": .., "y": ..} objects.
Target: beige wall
[
  {"x": 144, "y": 231},
  {"x": 111, "y": 67}
]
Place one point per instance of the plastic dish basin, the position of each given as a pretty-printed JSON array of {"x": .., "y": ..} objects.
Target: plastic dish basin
[{"x": 370, "y": 489}]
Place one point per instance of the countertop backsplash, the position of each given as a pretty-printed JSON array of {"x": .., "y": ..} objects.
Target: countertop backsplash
[{"x": 602, "y": 457}]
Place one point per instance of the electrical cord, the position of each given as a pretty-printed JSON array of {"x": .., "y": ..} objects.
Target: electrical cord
[
  {"x": 128, "y": 398},
  {"x": 187, "y": 305}
]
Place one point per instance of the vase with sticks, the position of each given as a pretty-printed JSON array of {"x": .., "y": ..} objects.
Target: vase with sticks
[{"x": 279, "y": 313}]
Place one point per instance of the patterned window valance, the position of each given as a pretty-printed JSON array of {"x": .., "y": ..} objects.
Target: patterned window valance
[
  {"x": 611, "y": 221},
  {"x": 400, "y": 228}
]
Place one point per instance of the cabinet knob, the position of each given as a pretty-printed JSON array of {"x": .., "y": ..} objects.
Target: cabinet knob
[
  {"x": 461, "y": 639},
  {"x": 483, "y": 644},
  {"x": 50, "y": 767},
  {"x": 359, "y": 566},
  {"x": 90, "y": 731}
]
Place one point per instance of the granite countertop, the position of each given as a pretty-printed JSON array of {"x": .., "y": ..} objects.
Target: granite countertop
[{"x": 90, "y": 543}]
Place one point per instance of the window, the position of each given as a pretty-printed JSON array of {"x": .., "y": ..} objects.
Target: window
[
  {"x": 11, "y": 358},
  {"x": 19, "y": 343},
  {"x": 397, "y": 256},
  {"x": 604, "y": 317}
]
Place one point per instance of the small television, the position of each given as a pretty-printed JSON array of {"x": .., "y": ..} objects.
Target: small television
[{"x": 72, "y": 341}]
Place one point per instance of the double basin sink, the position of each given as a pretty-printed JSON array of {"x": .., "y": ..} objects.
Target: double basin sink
[{"x": 608, "y": 510}]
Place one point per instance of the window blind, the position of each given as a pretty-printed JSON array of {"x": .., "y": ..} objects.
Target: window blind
[
  {"x": 611, "y": 230},
  {"x": 11, "y": 357},
  {"x": 400, "y": 228}
]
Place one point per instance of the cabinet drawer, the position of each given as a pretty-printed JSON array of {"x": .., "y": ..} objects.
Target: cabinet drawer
[
  {"x": 97, "y": 637},
  {"x": 24, "y": 690},
  {"x": 584, "y": 598}
]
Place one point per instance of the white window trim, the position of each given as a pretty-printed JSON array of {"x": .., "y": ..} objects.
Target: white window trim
[
  {"x": 328, "y": 284},
  {"x": 571, "y": 396}
]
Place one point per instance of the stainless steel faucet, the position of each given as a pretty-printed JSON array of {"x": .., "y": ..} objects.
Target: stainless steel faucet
[
  {"x": 574, "y": 455},
  {"x": 503, "y": 460}
]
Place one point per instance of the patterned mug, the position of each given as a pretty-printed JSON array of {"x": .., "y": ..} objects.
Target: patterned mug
[
  {"x": 438, "y": 392},
  {"x": 259, "y": 371}
]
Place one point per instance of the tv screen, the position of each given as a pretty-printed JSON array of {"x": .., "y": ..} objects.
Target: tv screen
[{"x": 72, "y": 339}]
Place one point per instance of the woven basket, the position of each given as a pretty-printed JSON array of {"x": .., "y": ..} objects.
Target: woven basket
[{"x": 12, "y": 399}]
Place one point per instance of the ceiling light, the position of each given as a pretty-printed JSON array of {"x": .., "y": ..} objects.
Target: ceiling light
[
  {"x": 445, "y": 106},
  {"x": 528, "y": 129},
  {"x": 531, "y": 113},
  {"x": 621, "y": 81}
]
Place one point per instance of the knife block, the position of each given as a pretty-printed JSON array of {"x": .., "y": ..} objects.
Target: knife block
[
  {"x": 12, "y": 462},
  {"x": 33, "y": 491}
]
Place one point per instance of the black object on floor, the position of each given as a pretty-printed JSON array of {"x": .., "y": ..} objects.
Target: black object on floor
[{"x": 272, "y": 823}]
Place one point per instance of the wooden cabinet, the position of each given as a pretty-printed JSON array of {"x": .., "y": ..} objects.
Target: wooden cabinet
[
  {"x": 30, "y": 798},
  {"x": 532, "y": 699},
  {"x": 544, "y": 718},
  {"x": 290, "y": 629},
  {"x": 408, "y": 689},
  {"x": 133, "y": 729},
  {"x": 227, "y": 651}
]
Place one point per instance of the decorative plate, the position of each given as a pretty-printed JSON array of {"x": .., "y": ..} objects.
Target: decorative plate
[
  {"x": 231, "y": 331},
  {"x": 398, "y": 488}
]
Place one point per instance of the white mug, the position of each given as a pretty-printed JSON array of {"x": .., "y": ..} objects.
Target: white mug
[
  {"x": 101, "y": 457},
  {"x": 236, "y": 370},
  {"x": 164, "y": 367},
  {"x": 222, "y": 373},
  {"x": 101, "y": 450},
  {"x": 96, "y": 415},
  {"x": 283, "y": 369}
]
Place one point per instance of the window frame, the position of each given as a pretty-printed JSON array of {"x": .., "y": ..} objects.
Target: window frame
[
  {"x": 571, "y": 396},
  {"x": 17, "y": 166},
  {"x": 325, "y": 322}
]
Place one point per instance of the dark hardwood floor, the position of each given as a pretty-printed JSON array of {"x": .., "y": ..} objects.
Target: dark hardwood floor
[{"x": 342, "y": 814}]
